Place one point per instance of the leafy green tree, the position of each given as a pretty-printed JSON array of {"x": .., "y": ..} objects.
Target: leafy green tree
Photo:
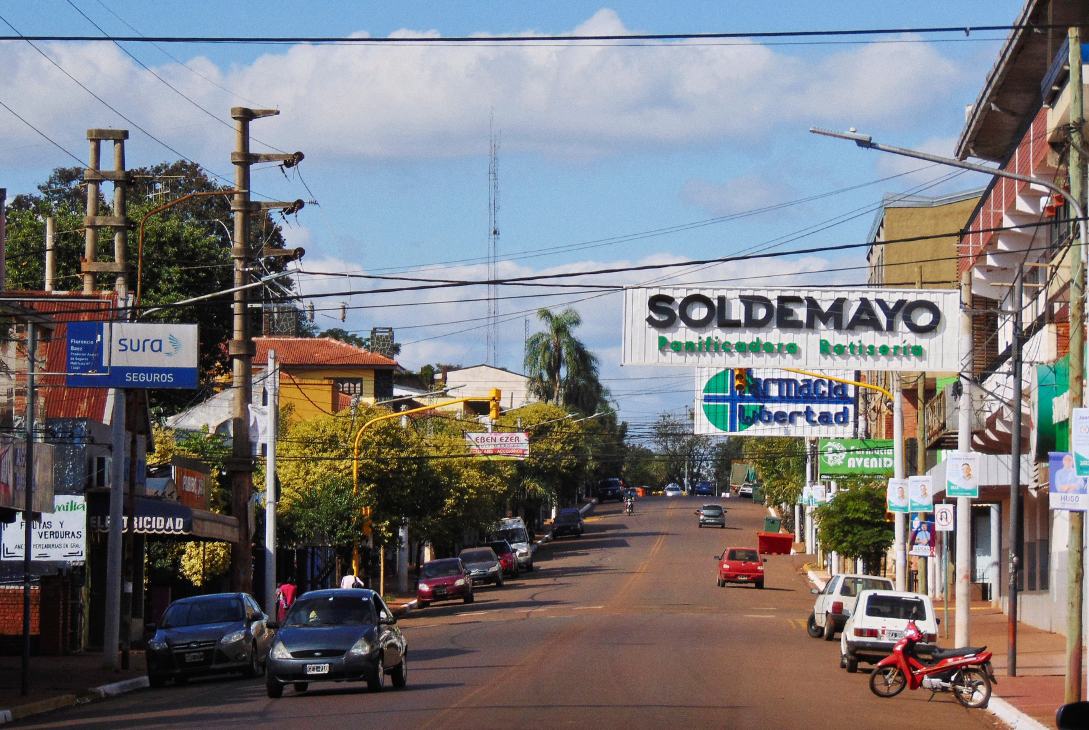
[
  {"x": 328, "y": 512},
  {"x": 680, "y": 451},
  {"x": 344, "y": 336},
  {"x": 853, "y": 524},
  {"x": 780, "y": 466},
  {"x": 723, "y": 455},
  {"x": 642, "y": 468},
  {"x": 562, "y": 371}
]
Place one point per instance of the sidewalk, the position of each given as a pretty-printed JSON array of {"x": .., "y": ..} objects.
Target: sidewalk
[{"x": 58, "y": 681}]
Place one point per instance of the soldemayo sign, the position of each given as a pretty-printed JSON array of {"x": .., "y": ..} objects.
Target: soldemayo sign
[
  {"x": 132, "y": 355},
  {"x": 774, "y": 403},
  {"x": 807, "y": 329}
]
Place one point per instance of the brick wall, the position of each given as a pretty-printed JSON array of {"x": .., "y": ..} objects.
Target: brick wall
[{"x": 11, "y": 610}]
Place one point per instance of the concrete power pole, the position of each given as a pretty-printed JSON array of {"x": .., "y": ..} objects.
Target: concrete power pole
[
  {"x": 272, "y": 386},
  {"x": 900, "y": 540},
  {"x": 241, "y": 348},
  {"x": 962, "y": 609},
  {"x": 50, "y": 253}
]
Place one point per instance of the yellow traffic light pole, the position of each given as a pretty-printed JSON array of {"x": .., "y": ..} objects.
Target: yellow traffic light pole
[{"x": 494, "y": 396}]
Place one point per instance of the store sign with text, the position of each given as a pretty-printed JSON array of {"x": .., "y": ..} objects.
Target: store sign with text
[
  {"x": 132, "y": 355},
  {"x": 60, "y": 535},
  {"x": 854, "y": 328},
  {"x": 855, "y": 456},
  {"x": 499, "y": 445}
]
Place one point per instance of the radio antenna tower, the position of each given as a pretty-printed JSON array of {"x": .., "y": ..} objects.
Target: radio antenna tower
[{"x": 493, "y": 246}]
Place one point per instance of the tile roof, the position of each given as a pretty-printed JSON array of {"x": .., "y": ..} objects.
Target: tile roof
[{"x": 318, "y": 352}]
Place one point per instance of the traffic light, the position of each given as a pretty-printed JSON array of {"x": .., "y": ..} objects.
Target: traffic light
[
  {"x": 741, "y": 379},
  {"x": 494, "y": 396}
]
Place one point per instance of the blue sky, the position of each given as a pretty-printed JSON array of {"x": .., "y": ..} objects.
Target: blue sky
[{"x": 596, "y": 142}]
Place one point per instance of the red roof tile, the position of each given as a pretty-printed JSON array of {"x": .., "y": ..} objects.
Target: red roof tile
[{"x": 318, "y": 352}]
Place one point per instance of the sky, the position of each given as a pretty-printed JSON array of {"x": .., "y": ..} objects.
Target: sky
[{"x": 610, "y": 154}]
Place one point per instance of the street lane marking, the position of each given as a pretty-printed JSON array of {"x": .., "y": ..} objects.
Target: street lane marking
[
  {"x": 758, "y": 615},
  {"x": 585, "y": 608}
]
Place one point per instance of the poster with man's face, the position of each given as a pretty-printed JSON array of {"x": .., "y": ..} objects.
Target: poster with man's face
[
  {"x": 921, "y": 494},
  {"x": 962, "y": 475},
  {"x": 1066, "y": 491},
  {"x": 897, "y": 496},
  {"x": 922, "y": 537}
]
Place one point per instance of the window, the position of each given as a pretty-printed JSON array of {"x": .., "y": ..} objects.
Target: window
[
  {"x": 349, "y": 386},
  {"x": 896, "y": 607},
  {"x": 383, "y": 384}
]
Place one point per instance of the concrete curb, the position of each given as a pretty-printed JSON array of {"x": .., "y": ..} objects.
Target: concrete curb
[
  {"x": 816, "y": 580},
  {"x": 36, "y": 708},
  {"x": 118, "y": 688},
  {"x": 1013, "y": 717}
]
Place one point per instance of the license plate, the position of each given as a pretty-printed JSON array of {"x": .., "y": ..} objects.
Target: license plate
[
  {"x": 897, "y": 635},
  {"x": 197, "y": 656},
  {"x": 742, "y": 577},
  {"x": 317, "y": 668},
  {"x": 440, "y": 591}
]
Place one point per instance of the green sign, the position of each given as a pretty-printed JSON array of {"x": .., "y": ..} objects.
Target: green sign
[{"x": 855, "y": 456}]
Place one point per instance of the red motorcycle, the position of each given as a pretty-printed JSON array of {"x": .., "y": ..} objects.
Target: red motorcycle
[{"x": 965, "y": 672}]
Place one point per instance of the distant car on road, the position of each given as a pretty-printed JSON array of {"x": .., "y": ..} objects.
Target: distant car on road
[
  {"x": 745, "y": 490},
  {"x": 513, "y": 530},
  {"x": 836, "y": 603},
  {"x": 703, "y": 489},
  {"x": 878, "y": 623},
  {"x": 216, "y": 634},
  {"x": 508, "y": 558},
  {"x": 482, "y": 565},
  {"x": 672, "y": 491},
  {"x": 610, "y": 489},
  {"x": 443, "y": 580},
  {"x": 741, "y": 565},
  {"x": 568, "y": 522},
  {"x": 337, "y": 636},
  {"x": 712, "y": 514}
]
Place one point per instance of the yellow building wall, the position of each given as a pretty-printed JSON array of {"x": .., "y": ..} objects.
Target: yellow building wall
[
  {"x": 313, "y": 393},
  {"x": 937, "y": 256}
]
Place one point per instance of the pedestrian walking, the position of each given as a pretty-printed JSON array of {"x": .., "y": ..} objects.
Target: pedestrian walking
[{"x": 285, "y": 596}]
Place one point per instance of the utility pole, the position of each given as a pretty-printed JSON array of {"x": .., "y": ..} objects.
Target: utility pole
[
  {"x": 272, "y": 386},
  {"x": 962, "y": 610},
  {"x": 241, "y": 348},
  {"x": 1075, "y": 571},
  {"x": 3, "y": 239},
  {"x": 920, "y": 445},
  {"x": 900, "y": 540},
  {"x": 28, "y": 500},
  {"x": 1015, "y": 472},
  {"x": 50, "y": 253}
]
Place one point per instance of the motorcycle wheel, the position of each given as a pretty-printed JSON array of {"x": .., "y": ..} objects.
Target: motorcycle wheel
[
  {"x": 972, "y": 687},
  {"x": 887, "y": 681},
  {"x": 811, "y": 627}
]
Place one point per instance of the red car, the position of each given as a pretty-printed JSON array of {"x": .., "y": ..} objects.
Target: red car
[
  {"x": 443, "y": 580},
  {"x": 508, "y": 558},
  {"x": 741, "y": 565}
]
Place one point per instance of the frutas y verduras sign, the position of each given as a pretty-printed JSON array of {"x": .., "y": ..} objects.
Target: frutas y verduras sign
[
  {"x": 60, "y": 535},
  {"x": 803, "y": 328},
  {"x": 774, "y": 403}
]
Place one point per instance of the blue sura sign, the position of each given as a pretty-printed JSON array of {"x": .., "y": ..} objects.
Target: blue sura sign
[
  {"x": 132, "y": 355},
  {"x": 772, "y": 403}
]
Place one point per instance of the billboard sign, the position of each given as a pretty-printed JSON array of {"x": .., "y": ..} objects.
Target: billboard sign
[
  {"x": 774, "y": 403},
  {"x": 499, "y": 445},
  {"x": 59, "y": 536},
  {"x": 132, "y": 355},
  {"x": 193, "y": 481},
  {"x": 855, "y": 456},
  {"x": 811, "y": 328}
]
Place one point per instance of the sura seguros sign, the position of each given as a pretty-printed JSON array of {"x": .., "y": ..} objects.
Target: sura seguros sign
[{"x": 803, "y": 328}]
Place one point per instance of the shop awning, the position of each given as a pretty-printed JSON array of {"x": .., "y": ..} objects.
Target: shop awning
[{"x": 159, "y": 517}]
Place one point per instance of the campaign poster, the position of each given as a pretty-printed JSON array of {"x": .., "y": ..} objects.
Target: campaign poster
[
  {"x": 962, "y": 475},
  {"x": 820, "y": 494},
  {"x": 920, "y": 494},
  {"x": 922, "y": 537},
  {"x": 897, "y": 496},
  {"x": 1079, "y": 440},
  {"x": 1067, "y": 490}
]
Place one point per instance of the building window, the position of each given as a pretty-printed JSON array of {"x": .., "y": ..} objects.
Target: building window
[
  {"x": 349, "y": 386},
  {"x": 383, "y": 384}
]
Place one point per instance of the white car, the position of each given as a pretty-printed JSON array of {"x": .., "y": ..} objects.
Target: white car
[
  {"x": 836, "y": 603},
  {"x": 672, "y": 491},
  {"x": 878, "y": 623},
  {"x": 745, "y": 490}
]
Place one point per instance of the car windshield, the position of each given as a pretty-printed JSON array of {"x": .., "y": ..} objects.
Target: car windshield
[
  {"x": 567, "y": 517},
  {"x": 712, "y": 509},
  {"x": 500, "y": 548},
  {"x": 441, "y": 569},
  {"x": 482, "y": 555},
  {"x": 220, "y": 610},
  {"x": 330, "y": 611},
  {"x": 744, "y": 555},
  {"x": 514, "y": 534},
  {"x": 898, "y": 607},
  {"x": 853, "y": 586}
]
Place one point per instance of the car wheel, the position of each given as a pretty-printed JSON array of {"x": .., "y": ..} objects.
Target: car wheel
[
  {"x": 156, "y": 680},
  {"x": 400, "y": 674},
  {"x": 300, "y": 687},
  {"x": 275, "y": 689},
  {"x": 423, "y": 604},
  {"x": 852, "y": 665},
  {"x": 842, "y": 662},
  {"x": 723, "y": 526},
  {"x": 721, "y": 583},
  {"x": 499, "y": 581},
  {"x": 469, "y": 598},
  {"x": 529, "y": 568},
  {"x": 251, "y": 669},
  {"x": 759, "y": 584},
  {"x": 829, "y": 629},
  {"x": 377, "y": 681},
  {"x": 181, "y": 679},
  {"x": 701, "y": 525},
  {"x": 812, "y": 628}
]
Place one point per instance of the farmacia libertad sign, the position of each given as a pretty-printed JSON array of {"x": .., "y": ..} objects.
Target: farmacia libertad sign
[{"x": 805, "y": 328}]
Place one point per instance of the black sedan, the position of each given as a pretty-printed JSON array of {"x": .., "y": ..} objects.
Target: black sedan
[
  {"x": 337, "y": 636},
  {"x": 483, "y": 566},
  {"x": 567, "y": 522},
  {"x": 224, "y": 632}
]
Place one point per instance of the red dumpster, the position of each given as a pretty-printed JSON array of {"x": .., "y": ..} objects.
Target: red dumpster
[{"x": 774, "y": 543}]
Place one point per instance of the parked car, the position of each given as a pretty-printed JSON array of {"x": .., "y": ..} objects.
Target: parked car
[
  {"x": 712, "y": 514},
  {"x": 216, "y": 634},
  {"x": 513, "y": 530},
  {"x": 482, "y": 565},
  {"x": 568, "y": 522},
  {"x": 703, "y": 489},
  {"x": 741, "y": 565},
  {"x": 672, "y": 491},
  {"x": 507, "y": 557},
  {"x": 878, "y": 623},
  {"x": 745, "y": 490},
  {"x": 836, "y": 602},
  {"x": 610, "y": 489},
  {"x": 443, "y": 580},
  {"x": 337, "y": 636}
]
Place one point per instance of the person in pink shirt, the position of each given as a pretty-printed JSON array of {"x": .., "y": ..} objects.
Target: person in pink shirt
[{"x": 285, "y": 596}]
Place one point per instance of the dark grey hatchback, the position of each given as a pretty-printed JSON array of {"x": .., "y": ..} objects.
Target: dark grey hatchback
[
  {"x": 337, "y": 636},
  {"x": 224, "y": 632}
]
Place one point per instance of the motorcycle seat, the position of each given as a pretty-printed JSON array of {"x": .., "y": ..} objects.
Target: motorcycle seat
[{"x": 939, "y": 654}]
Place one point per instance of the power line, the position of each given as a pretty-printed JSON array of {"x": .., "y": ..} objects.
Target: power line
[{"x": 45, "y": 136}]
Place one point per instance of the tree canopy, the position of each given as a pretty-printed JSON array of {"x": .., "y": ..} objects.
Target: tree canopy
[{"x": 561, "y": 369}]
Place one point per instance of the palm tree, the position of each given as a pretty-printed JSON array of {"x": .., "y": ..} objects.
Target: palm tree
[{"x": 561, "y": 370}]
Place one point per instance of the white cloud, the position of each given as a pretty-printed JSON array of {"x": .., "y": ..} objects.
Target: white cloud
[
  {"x": 394, "y": 102},
  {"x": 739, "y": 194}
]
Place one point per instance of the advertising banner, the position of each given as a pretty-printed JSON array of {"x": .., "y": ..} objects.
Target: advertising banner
[
  {"x": 962, "y": 475},
  {"x": 820, "y": 494},
  {"x": 858, "y": 328},
  {"x": 897, "y": 495},
  {"x": 855, "y": 456},
  {"x": 1079, "y": 440},
  {"x": 13, "y": 474},
  {"x": 922, "y": 537},
  {"x": 499, "y": 445},
  {"x": 192, "y": 479},
  {"x": 60, "y": 536},
  {"x": 944, "y": 515},
  {"x": 1067, "y": 490},
  {"x": 773, "y": 403},
  {"x": 807, "y": 496},
  {"x": 132, "y": 355},
  {"x": 920, "y": 494}
]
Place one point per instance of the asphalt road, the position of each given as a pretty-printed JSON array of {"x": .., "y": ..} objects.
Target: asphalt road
[{"x": 622, "y": 628}]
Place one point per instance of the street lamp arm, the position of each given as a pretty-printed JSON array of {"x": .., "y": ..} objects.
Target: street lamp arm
[{"x": 825, "y": 376}]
